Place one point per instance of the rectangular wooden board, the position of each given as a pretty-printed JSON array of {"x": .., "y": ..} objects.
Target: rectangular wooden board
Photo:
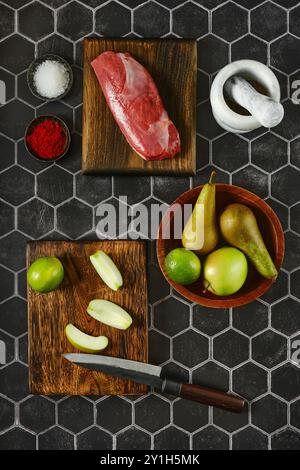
[
  {"x": 48, "y": 315},
  {"x": 173, "y": 66}
]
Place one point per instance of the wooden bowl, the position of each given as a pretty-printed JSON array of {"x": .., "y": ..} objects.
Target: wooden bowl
[{"x": 269, "y": 226}]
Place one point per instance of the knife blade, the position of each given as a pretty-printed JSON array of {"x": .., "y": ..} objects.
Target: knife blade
[
  {"x": 152, "y": 375},
  {"x": 124, "y": 368}
]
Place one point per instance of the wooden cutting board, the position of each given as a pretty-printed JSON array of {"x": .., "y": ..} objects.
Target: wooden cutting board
[
  {"x": 48, "y": 314},
  {"x": 173, "y": 66}
]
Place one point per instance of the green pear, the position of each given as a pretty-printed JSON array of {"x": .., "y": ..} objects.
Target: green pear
[
  {"x": 239, "y": 228},
  {"x": 200, "y": 233},
  {"x": 225, "y": 271}
]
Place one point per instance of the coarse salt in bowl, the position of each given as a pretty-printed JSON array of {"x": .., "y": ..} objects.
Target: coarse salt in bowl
[{"x": 50, "y": 77}]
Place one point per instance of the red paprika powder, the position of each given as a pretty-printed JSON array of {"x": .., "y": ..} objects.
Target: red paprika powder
[{"x": 48, "y": 139}]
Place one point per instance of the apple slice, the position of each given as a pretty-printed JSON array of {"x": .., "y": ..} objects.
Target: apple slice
[
  {"x": 107, "y": 269},
  {"x": 84, "y": 342},
  {"x": 109, "y": 313}
]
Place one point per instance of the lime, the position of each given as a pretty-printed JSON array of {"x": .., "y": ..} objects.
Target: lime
[
  {"x": 182, "y": 266},
  {"x": 45, "y": 274}
]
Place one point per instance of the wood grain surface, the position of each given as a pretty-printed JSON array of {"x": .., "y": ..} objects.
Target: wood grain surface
[
  {"x": 173, "y": 66},
  {"x": 48, "y": 315},
  {"x": 271, "y": 230}
]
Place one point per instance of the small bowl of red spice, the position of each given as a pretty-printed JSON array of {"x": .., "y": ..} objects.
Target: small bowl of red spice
[{"x": 47, "y": 138}]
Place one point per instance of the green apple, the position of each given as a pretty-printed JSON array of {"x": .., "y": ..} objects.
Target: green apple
[
  {"x": 225, "y": 271},
  {"x": 45, "y": 274},
  {"x": 109, "y": 313},
  {"x": 84, "y": 342},
  {"x": 107, "y": 269}
]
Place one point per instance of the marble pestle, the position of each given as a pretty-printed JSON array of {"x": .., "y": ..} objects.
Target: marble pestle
[{"x": 267, "y": 111}]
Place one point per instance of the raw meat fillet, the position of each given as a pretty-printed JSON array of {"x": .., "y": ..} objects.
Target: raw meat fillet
[{"x": 133, "y": 99}]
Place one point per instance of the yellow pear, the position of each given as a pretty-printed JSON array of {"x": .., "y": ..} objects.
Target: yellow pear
[{"x": 201, "y": 231}]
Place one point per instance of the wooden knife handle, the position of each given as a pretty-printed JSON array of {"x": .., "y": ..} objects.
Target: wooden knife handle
[
  {"x": 210, "y": 396},
  {"x": 205, "y": 395}
]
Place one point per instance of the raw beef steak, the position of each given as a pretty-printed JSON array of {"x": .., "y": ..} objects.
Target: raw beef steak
[{"x": 134, "y": 101}]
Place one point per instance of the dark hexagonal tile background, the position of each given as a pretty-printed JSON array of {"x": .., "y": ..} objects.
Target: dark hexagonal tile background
[
  {"x": 249, "y": 439},
  {"x": 210, "y": 321},
  {"x": 7, "y": 215},
  {"x": 74, "y": 21},
  {"x": 9, "y": 125},
  {"x": 171, "y": 316},
  {"x": 269, "y": 413},
  {"x": 252, "y": 179},
  {"x": 269, "y": 152},
  {"x": 94, "y": 439},
  {"x": 268, "y": 21},
  {"x": 13, "y": 319},
  {"x": 56, "y": 438},
  {"x": 108, "y": 20},
  {"x": 246, "y": 350},
  {"x": 197, "y": 413},
  {"x": 152, "y": 413},
  {"x": 250, "y": 381},
  {"x": 230, "y": 30},
  {"x": 16, "y": 439},
  {"x": 6, "y": 21},
  {"x": 211, "y": 438},
  {"x": 74, "y": 226},
  {"x": 283, "y": 55},
  {"x": 269, "y": 348},
  {"x": 113, "y": 414},
  {"x": 37, "y": 413},
  {"x": 35, "y": 218},
  {"x": 231, "y": 348},
  {"x": 212, "y": 375},
  {"x": 75, "y": 414},
  {"x": 151, "y": 20},
  {"x": 230, "y": 152},
  {"x": 171, "y": 438},
  {"x": 190, "y": 21},
  {"x": 16, "y": 46},
  {"x": 256, "y": 49},
  {"x": 7, "y": 414},
  {"x": 133, "y": 439},
  {"x": 251, "y": 318},
  {"x": 54, "y": 185},
  {"x": 35, "y": 21},
  {"x": 62, "y": 46},
  {"x": 190, "y": 348},
  {"x": 230, "y": 421},
  {"x": 7, "y": 283}
]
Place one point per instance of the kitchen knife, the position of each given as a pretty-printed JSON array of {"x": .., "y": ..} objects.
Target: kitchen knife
[{"x": 152, "y": 375}]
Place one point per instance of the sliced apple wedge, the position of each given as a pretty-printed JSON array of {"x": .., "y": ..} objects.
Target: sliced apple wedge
[
  {"x": 84, "y": 342},
  {"x": 109, "y": 313},
  {"x": 107, "y": 269}
]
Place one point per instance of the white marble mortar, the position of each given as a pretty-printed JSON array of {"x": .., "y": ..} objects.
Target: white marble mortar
[{"x": 251, "y": 70}]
